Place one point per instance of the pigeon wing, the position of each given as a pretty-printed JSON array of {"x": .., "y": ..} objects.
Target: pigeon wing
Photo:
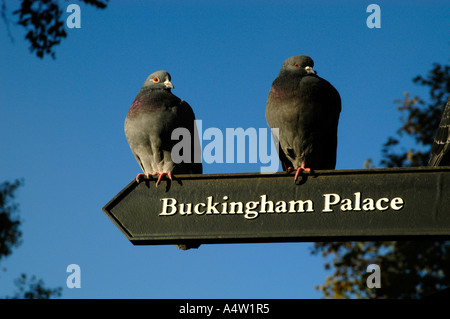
[{"x": 441, "y": 145}]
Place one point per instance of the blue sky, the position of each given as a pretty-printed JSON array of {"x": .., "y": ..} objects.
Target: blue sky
[{"x": 61, "y": 127}]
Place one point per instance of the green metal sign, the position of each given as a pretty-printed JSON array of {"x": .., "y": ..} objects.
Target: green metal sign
[{"x": 329, "y": 206}]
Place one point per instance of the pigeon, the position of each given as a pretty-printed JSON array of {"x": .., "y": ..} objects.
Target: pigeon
[
  {"x": 154, "y": 114},
  {"x": 305, "y": 108},
  {"x": 441, "y": 145}
]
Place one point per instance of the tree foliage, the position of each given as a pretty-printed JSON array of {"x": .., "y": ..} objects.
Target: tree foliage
[
  {"x": 9, "y": 223},
  {"x": 409, "y": 269},
  {"x": 10, "y": 236},
  {"x": 43, "y": 21},
  {"x": 33, "y": 289},
  {"x": 419, "y": 120}
]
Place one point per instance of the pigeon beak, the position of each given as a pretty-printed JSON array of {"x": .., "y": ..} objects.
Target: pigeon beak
[
  {"x": 310, "y": 70},
  {"x": 168, "y": 84}
]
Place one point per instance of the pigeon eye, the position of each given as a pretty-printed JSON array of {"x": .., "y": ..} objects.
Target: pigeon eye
[
  {"x": 155, "y": 79},
  {"x": 296, "y": 65}
]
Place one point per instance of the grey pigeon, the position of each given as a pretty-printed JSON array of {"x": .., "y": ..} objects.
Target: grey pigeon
[
  {"x": 153, "y": 115},
  {"x": 151, "y": 119},
  {"x": 441, "y": 145},
  {"x": 305, "y": 108}
]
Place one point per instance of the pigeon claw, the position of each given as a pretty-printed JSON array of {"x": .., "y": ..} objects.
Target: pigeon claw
[
  {"x": 161, "y": 175},
  {"x": 146, "y": 175},
  {"x": 301, "y": 169},
  {"x": 138, "y": 177}
]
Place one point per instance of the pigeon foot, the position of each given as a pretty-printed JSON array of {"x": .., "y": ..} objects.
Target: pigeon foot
[
  {"x": 301, "y": 169},
  {"x": 138, "y": 177},
  {"x": 161, "y": 175},
  {"x": 146, "y": 175}
]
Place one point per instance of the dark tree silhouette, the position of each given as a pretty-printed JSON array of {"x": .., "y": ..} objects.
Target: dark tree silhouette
[
  {"x": 9, "y": 223},
  {"x": 43, "y": 21},
  {"x": 409, "y": 269},
  {"x": 10, "y": 237},
  {"x": 420, "y": 120}
]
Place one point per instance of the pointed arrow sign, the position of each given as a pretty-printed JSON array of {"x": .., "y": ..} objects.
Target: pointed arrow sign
[{"x": 331, "y": 205}]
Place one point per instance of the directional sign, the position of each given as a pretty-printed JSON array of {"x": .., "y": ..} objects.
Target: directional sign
[{"x": 331, "y": 205}]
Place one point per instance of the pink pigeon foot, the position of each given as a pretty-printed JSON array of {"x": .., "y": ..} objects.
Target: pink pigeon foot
[
  {"x": 138, "y": 177},
  {"x": 161, "y": 175},
  {"x": 301, "y": 169}
]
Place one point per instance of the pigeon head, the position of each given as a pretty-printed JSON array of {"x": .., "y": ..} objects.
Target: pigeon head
[
  {"x": 158, "y": 80},
  {"x": 299, "y": 64}
]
